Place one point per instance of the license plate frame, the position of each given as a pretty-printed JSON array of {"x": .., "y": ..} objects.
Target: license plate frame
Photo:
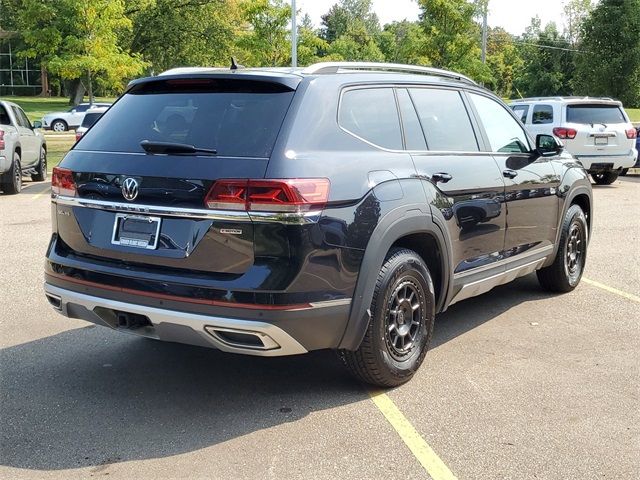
[
  {"x": 143, "y": 240},
  {"x": 600, "y": 140}
]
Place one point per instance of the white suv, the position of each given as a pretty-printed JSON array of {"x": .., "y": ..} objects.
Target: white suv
[{"x": 597, "y": 131}]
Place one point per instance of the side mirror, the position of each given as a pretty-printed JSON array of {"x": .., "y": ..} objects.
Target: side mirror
[
  {"x": 548, "y": 145},
  {"x": 37, "y": 124},
  {"x": 73, "y": 110}
]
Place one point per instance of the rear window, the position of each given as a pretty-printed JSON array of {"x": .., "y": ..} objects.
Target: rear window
[
  {"x": 4, "y": 117},
  {"x": 236, "y": 118},
  {"x": 90, "y": 119},
  {"x": 591, "y": 114}
]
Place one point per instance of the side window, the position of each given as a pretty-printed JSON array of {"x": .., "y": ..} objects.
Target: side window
[
  {"x": 371, "y": 114},
  {"x": 444, "y": 120},
  {"x": 81, "y": 108},
  {"x": 542, "y": 114},
  {"x": 4, "y": 116},
  {"x": 504, "y": 132},
  {"x": 21, "y": 118},
  {"x": 413, "y": 135},
  {"x": 521, "y": 112}
]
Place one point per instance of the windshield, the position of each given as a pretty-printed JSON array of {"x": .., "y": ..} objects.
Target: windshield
[
  {"x": 592, "y": 114},
  {"x": 235, "y": 121}
]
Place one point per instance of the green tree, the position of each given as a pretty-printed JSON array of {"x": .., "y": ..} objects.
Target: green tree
[
  {"x": 610, "y": 65},
  {"x": 548, "y": 61},
  {"x": 78, "y": 40},
  {"x": 504, "y": 61},
  {"x": 192, "y": 32},
  {"x": 342, "y": 16},
  {"x": 311, "y": 47},
  {"x": 403, "y": 42},
  {"x": 266, "y": 41},
  {"x": 452, "y": 37},
  {"x": 575, "y": 13}
]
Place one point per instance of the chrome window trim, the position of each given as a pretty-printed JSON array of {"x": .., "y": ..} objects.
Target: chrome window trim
[{"x": 295, "y": 218}]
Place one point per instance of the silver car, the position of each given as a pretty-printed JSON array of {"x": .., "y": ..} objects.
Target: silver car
[{"x": 23, "y": 150}]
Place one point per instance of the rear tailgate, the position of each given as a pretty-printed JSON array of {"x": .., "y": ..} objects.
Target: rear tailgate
[
  {"x": 602, "y": 130},
  {"x": 149, "y": 209}
]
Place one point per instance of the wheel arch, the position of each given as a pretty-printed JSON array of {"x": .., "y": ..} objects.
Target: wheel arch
[{"x": 411, "y": 227}]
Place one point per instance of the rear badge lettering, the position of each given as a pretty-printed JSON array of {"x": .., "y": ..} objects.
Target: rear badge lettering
[{"x": 231, "y": 231}]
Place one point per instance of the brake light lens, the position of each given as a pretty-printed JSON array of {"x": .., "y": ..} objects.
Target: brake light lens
[
  {"x": 62, "y": 182},
  {"x": 2, "y": 145},
  {"x": 565, "y": 133},
  {"x": 290, "y": 195},
  {"x": 632, "y": 133},
  {"x": 78, "y": 136}
]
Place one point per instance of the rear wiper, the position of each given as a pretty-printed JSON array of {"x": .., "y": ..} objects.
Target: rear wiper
[{"x": 174, "y": 148}]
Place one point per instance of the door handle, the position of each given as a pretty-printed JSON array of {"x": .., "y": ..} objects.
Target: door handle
[
  {"x": 509, "y": 173},
  {"x": 441, "y": 177}
]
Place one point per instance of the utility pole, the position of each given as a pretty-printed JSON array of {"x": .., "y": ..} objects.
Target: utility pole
[
  {"x": 294, "y": 35},
  {"x": 485, "y": 13}
]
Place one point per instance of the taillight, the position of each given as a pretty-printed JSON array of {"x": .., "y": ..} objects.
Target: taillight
[
  {"x": 565, "y": 133},
  {"x": 291, "y": 195},
  {"x": 78, "y": 135},
  {"x": 2, "y": 145},
  {"x": 632, "y": 133},
  {"x": 62, "y": 182}
]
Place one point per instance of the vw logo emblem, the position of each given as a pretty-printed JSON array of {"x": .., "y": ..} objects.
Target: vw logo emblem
[{"x": 130, "y": 189}]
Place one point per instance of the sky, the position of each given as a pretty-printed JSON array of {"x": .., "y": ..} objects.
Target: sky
[{"x": 512, "y": 15}]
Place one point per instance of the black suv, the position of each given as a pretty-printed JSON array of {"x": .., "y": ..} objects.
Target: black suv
[{"x": 277, "y": 211}]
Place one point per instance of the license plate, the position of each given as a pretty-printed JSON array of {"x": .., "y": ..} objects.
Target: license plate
[
  {"x": 602, "y": 140},
  {"x": 136, "y": 231}
]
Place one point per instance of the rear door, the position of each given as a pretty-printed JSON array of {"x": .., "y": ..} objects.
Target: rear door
[
  {"x": 150, "y": 209},
  {"x": 470, "y": 189},
  {"x": 531, "y": 182}
]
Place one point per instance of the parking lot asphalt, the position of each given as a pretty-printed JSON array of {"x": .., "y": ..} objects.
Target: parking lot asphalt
[{"x": 519, "y": 384}]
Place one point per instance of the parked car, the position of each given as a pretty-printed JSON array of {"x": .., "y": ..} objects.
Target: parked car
[
  {"x": 637, "y": 164},
  {"x": 69, "y": 120},
  {"x": 23, "y": 150},
  {"x": 596, "y": 130},
  {"x": 91, "y": 116},
  {"x": 278, "y": 211}
]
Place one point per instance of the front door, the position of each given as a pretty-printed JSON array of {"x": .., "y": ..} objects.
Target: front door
[{"x": 531, "y": 182}]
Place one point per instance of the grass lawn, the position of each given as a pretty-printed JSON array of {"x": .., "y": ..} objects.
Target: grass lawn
[
  {"x": 57, "y": 146},
  {"x": 634, "y": 114},
  {"x": 36, "y": 107}
]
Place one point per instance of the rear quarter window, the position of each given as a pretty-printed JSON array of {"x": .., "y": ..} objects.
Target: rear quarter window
[
  {"x": 542, "y": 114},
  {"x": 372, "y": 115},
  {"x": 591, "y": 114},
  {"x": 4, "y": 116},
  {"x": 237, "y": 118}
]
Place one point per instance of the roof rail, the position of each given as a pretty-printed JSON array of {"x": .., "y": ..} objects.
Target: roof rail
[
  {"x": 337, "y": 67},
  {"x": 560, "y": 99}
]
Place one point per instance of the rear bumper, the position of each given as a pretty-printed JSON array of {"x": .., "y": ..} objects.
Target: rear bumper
[
  {"x": 234, "y": 330},
  {"x": 602, "y": 163}
]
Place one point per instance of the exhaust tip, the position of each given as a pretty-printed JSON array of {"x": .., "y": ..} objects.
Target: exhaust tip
[
  {"x": 242, "y": 338},
  {"x": 55, "y": 301}
]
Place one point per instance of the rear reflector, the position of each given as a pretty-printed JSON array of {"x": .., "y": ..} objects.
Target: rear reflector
[
  {"x": 62, "y": 182},
  {"x": 565, "y": 133},
  {"x": 632, "y": 133},
  {"x": 290, "y": 195}
]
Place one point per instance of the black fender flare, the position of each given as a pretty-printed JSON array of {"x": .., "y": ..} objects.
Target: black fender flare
[
  {"x": 398, "y": 223},
  {"x": 580, "y": 187}
]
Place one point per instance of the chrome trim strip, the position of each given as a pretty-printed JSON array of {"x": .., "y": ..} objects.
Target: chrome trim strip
[
  {"x": 484, "y": 285},
  {"x": 331, "y": 303},
  {"x": 506, "y": 261},
  {"x": 282, "y": 342},
  {"x": 293, "y": 218}
]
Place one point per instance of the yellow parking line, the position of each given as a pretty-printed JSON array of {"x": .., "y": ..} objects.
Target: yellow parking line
[
  {"x": 420, "y": 449},
  {"x": 628, "y": 296},
  {"x": 38, "y": 195}
]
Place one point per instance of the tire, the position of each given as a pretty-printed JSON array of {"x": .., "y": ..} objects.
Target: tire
[
  {"x": 566, "y": 271},
  {"x": 606, "y": 178},
  {"x": 59, "y": 126},
  {"x": 12, "y": 180},
  {"x": 393, "y": 349},
  {"x": 41, "y": 170},
  {"x": 624, "y": 172}
]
